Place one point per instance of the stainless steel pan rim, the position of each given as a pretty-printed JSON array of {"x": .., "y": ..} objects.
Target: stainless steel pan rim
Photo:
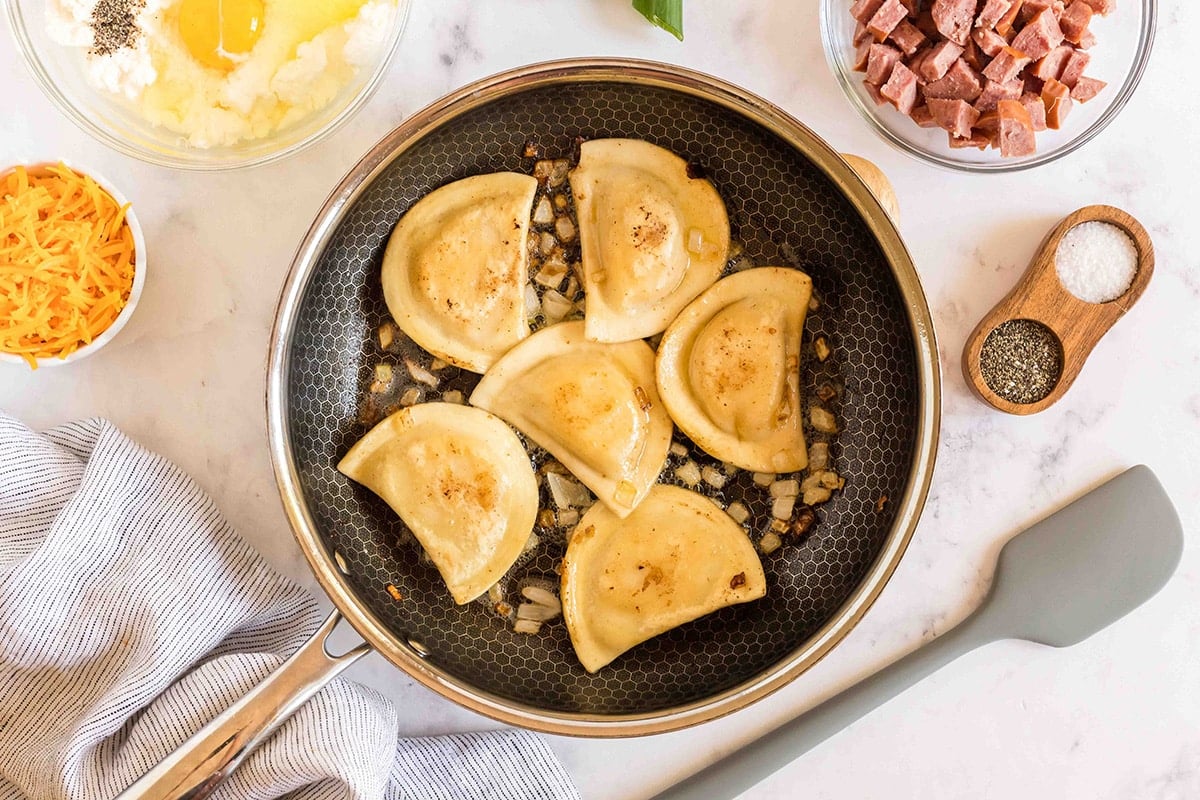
[{"x": 408, "y": 655}]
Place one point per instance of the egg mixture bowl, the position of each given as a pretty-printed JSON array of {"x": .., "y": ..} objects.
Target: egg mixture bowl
[{"x": 61, "y": 73}]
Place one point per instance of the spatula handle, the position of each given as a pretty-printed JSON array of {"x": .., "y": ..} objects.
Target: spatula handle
[{"x": 739, "y": 771}]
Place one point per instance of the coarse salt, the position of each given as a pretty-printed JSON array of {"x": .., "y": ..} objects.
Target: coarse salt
[{"x": 1096, "y": 262}]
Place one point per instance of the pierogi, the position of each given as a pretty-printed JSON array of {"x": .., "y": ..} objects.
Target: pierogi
[
  {"x": 461, "y": 481},
  {"x": 455, "y": 268},
  {"x": 728, "y": 369},
  {"x": 652, "y": 237},
  {"x": 592, "y": 405}
]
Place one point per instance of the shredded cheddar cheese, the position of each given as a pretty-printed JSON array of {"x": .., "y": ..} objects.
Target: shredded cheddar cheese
[{"x": 67, "y": 262}]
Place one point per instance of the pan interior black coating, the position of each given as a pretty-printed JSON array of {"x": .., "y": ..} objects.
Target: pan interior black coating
[{"x": 786, "y": 212}]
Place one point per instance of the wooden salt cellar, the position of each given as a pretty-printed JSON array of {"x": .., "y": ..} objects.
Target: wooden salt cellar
[{"x": 1041, "y": 297}]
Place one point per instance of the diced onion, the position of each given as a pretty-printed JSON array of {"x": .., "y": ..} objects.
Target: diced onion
[
  {"x": 537, "y": 612},
  {"x": 420, "y": 374},
  {"x": 527, "y": 626},
  {"x": 785, "y": 489},
  {"x": 567, "y": 493},
  {"x": 555, "y": 306},
  {"x": 453, "y": 396},
  {"x": 688, "y": 473},
  {"x": 764, "y": 478},
  {"x": 714, "y": 477},
  {"x": 541, "y": 596},
  {"x": 783, "y": 506},
  {"x": 769, "y": 543},
  {"x": 411, "y": 396},
  {"x": 532, "y": 304},
  {"x": 818, "y": 456},
  {"x": 822, "y": 420},
  {"x": 739, "y": 512},
  {"x": 543, "y": 214},
  {"x": 678, "y": 450},
  {"x": 565, "y": 229}
]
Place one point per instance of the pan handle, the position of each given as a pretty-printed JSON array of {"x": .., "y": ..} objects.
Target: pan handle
[{"x": 214, "y": 751}]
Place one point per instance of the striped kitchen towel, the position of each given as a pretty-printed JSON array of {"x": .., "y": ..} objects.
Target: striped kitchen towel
[{"x": 131, "y": 613}]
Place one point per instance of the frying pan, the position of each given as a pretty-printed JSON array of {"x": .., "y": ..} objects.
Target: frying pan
[{"x": 792, "y": 201}]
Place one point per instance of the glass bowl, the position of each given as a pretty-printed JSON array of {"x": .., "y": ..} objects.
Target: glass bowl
[
  {"x": 139, "y": 267},
  {"x": 59, "y": 70},
  {"x": 1124, "y": 41}
]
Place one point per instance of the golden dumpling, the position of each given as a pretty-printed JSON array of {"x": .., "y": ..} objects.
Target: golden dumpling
[
  {"x": 456, "y": 267},
  {"x": 461, "y": 481},
  {"x": 728, "y": 369},
  {"x": 592, "y": 405},
  {"x": 677, "y": 557},
  {"x": 652, "y": 237}
]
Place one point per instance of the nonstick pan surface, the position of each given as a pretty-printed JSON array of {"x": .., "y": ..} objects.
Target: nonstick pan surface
[{"x": 792, "y": 202}]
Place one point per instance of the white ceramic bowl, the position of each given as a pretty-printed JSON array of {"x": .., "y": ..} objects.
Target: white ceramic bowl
[
  {"x": 139, "y": 272},
  {"x": 59, "y": 70}
]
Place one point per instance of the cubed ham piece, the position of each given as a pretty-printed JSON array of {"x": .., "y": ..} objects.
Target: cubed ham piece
[
  {"x": 1057, "y": 97},
  {"x": 1102, "y": 7},
  {"x": 938, "y": 61},
  {"x": 926, "y": 25},
  {"x": 993, "y": 92},
  {"x": 1087, "y": 40},
  {"x": 989, "y": 41},
  {"x": 1073, "y": 71},
  {"x": 954, "y": 19},
  {"x": 886, "y": 19},
  {"x": 923, "y": 117},
  {"x": 993, "y": 11},
  {"x": 861, "y": 34},
  {"x": 976, "y": 141},
  {"x": 863, "y": 10},
  {"x": 989, "y": 126},
  {"x": 1005, "y": 26},
  {"x": 1006, "y": 66},
  {"x": 1036, "y": 108},
  {"x": 976, "y": 59},
  {"x": 959, "y": 83},
  {"x": 881, "y": 60},
  {"x": 862, "y": 55},
  {"x": 1051, "y": 65},
  {"x": 913, "y": 7},
  {"x": 1040, "y": 36},
  {"x": 1017, "y": 137},
  {"x": 957, "y": 117},
  {"x": 873, "y": 90},
  {"x": 901, "y": 89},
  {"x": 1075, "y": 20},
  {"x": 1031, "y": 8},
  {"x": 907, "y": 37},
  {"x": 1086, "y": 88}
]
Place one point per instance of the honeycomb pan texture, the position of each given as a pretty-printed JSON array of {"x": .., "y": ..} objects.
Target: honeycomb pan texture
[{"x": 785, "y": 211}]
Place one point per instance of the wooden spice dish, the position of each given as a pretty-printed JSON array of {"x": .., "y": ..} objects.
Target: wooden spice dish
[{"x": 1041, "y": 297}]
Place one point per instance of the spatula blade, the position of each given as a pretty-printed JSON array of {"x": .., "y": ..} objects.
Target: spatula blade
[{"x": 1086, "y": 566}]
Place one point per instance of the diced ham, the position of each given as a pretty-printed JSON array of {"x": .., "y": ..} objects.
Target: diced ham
[
  {"x": 959, "y": 83},
  {"x": 1073, "y": 71},
  {"x": 861, "y": 34},
  {"x": 957, "y": 117},
  {"x": 954, "y": 19},
  {"x": 1051, "y": 65},
  {"x": 993, "y": 11},
  {"x": 907, "y": 37},
  {"x": 1036, "y": 108},
  {"x": 994, "y": 92},
  {"x": 901, "y": 89},
  {"x": 873, "y": 90},
  {"x": 1005, "y": 26},
  {"x": 926, "y": 25},
  {"x": 939, "y": 60},
  {"x": 1102, "y": 7},
  {"x": 886, "y": 19},
  {"x": 1006, "y": 66},
  {"x": 1087, "y": 40},
  {"x": 1075, "y": 20},
  {"x": 976, "y": 59},
  {"x": 989, "y": 41},
  {"x": 1017, "y": 137},
  {"x": 923, "y": 117},
  {"x": 1040, "y": 36},
  {"x": 1032, "y": 8},
  {"x": 862, "y": 55},
  {"x": 1057, "y": 97},
  {"x": 881, "y": 60},
  {"x": 989, "y": 126},
  {"x": 863, "y": 10},
  {"x": 976, "y": 141},
  {"x": 912, "y": 6},
  {"x": 1086, "y": 88}
]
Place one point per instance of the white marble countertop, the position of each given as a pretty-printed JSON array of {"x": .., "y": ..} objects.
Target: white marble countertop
[{"x": 1115, "y": 717}]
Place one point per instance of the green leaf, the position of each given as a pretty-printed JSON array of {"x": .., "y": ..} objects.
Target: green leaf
[{"x": 666, "y": 14}]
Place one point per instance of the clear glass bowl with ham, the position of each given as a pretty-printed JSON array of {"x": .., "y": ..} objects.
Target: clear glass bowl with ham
[{"x": 988, "y": 85}]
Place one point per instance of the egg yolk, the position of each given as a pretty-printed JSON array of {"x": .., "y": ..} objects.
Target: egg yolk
[{"x": 218, "y": 33}]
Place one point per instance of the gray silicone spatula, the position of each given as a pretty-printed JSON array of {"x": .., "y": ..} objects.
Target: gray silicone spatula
[{"x": 1067, "y": 577}]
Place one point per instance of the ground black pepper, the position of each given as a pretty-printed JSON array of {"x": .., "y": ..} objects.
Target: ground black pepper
[
  {"x": 1021, "y": 361},
  {"x": 114, "y": 25}
]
